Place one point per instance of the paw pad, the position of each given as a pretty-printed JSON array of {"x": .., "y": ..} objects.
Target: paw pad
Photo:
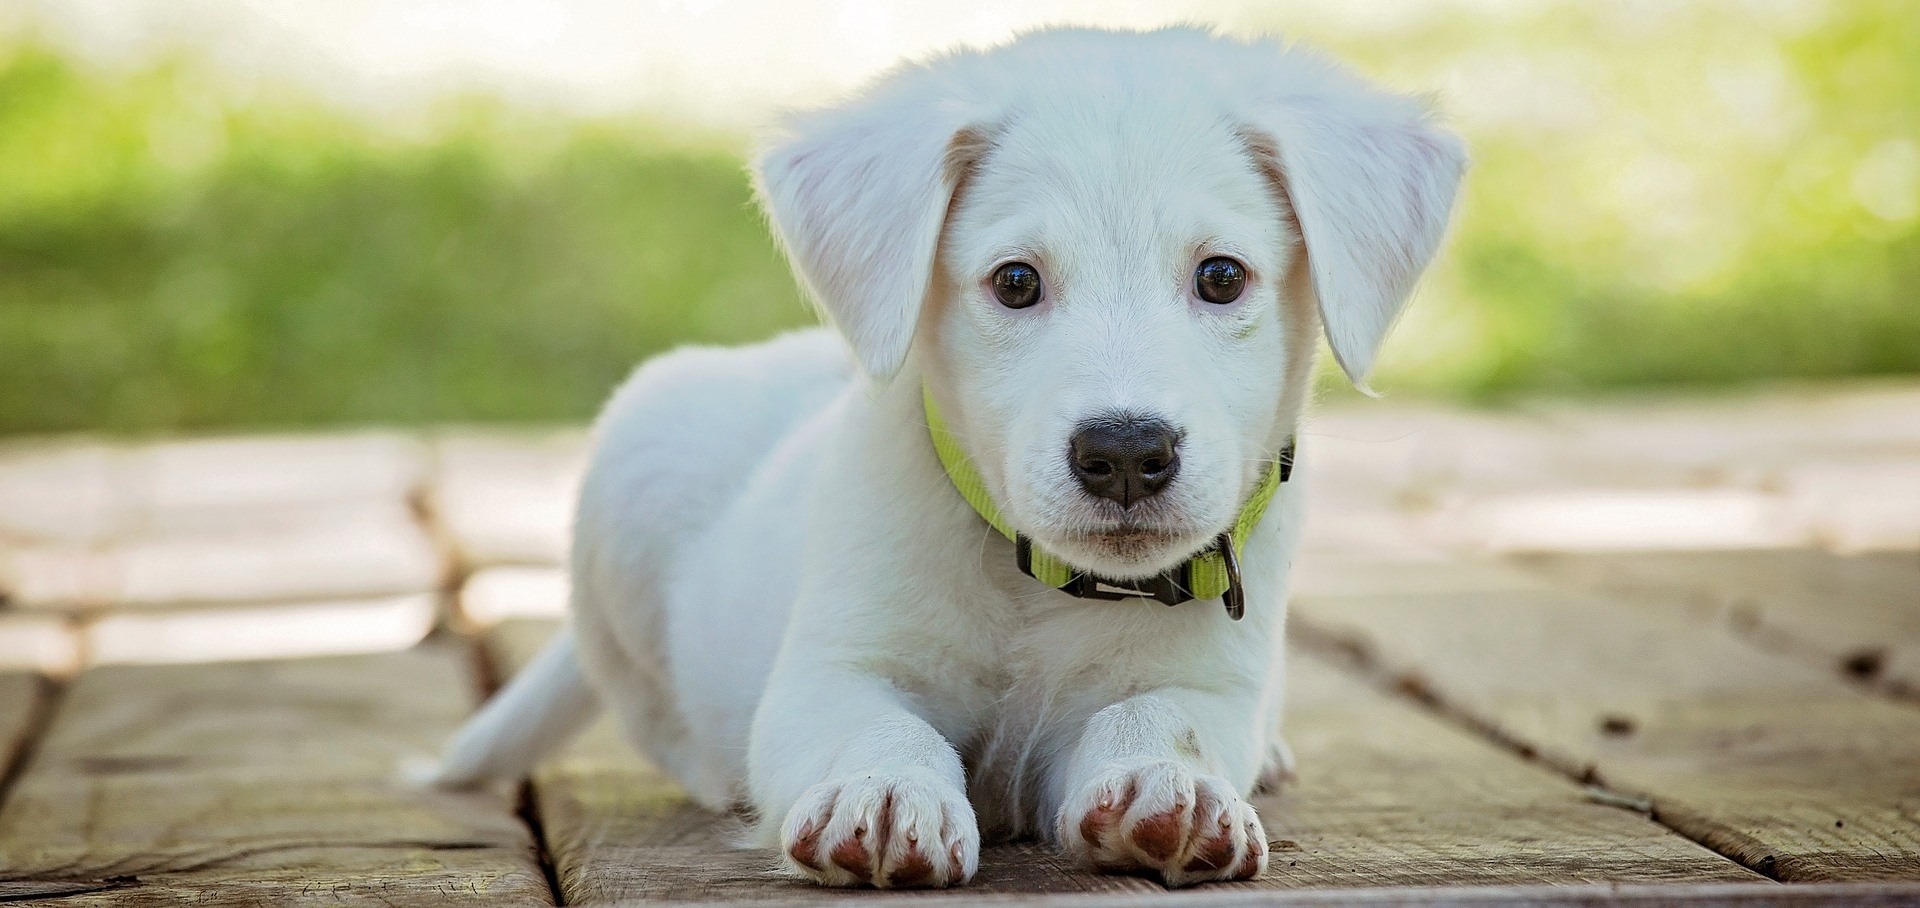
[
  {"x": 1164, "y": 819},
  {"x": 883, "y": 832}
]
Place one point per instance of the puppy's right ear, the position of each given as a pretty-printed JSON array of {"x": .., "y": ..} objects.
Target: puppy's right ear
[
  {"x": 1371, "y": 180},
  {"x": 858, "y": 196}
]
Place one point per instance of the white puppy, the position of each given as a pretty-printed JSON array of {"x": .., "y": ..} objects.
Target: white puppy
[{"x": 1098, "y": 262}]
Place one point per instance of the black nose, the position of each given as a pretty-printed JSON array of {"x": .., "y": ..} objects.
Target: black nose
[{"x": 1125, "y": 459}]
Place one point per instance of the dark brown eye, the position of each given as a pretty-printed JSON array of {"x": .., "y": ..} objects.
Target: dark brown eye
[
  {"x": 1219, "y": 280},
  {"x": 1016, "y": 285}
]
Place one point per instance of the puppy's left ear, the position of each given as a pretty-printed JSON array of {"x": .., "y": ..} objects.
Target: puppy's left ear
[
  {"x": 1371, "y": 181},
  {"x": 858, "y": 196}
]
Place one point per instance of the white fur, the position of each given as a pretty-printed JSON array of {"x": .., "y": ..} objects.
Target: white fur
[
  {"x": 550, "y": 702},
  {"x": 777, "y": 588}
]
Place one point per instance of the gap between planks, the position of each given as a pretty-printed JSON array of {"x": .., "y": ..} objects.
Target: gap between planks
[
  {"x": 259, "y": 782},
  {"x": 1500, "y": 821},
  {"x": 21, "y": 742},
  {"x": 1768, "y": 750},
  {"x": 1358, "y": 660},
  {"x": 1857, "y": 616},
  {"x": 488, "y": 679}
]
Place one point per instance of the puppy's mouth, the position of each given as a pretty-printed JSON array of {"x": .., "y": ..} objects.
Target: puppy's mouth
[
  {"x": 1117, "y": 541},
  {"x": 1132, "y": 543},
  {"x": 1128, "y": 552},
  {"x": 1125, "y": 542}
]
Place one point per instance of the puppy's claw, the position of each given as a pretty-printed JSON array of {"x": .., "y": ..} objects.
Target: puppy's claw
[
  {"x": 876, "y": 831},
  {"x": 1181, "y": 826}
]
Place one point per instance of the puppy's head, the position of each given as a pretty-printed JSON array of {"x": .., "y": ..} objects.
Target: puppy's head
[{"x": 1110, "y": 255}]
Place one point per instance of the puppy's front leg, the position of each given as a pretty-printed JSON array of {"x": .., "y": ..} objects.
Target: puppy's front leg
[
  {"x": 877, "y": 796},
  {"x": 1147, "y": 789}
]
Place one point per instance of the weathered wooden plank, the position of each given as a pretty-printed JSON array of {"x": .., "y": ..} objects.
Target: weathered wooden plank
[
  {"x": 213, "y": 632},
  {"x": 85, "y": 492},
  {"x": 1587, "y": 518},
  {"x": 1765, "y": 759},
  {"x": 1860, "y": 504},
  {"x": 1729, "y": 895},
  {"x": 1409, "y": 450},
  {"x": 1743, "y": 438},
  {"x": 64, "y": 490},
  {"x": 264, "y": 782},
  {"x": 620, "y": 830},
  {"x": 20, "y": 693},
  {"x": 1416, "y": 480},
  {"x": 209, "y": 484},
  {"x": 496, "y": 594},
  {"x": 1695, "y": 895},
  {"x": 1833, "y": 467},
  {"x": 89, "y": 527},
  {"x": 507, "y": 499},
  {"x": 1402, "y": 480},
  {"x": 1387, "y": 796},
  {"x": 1355, "y": 574},
  {"x": 40, "y": 642},
  {"x": 379, "y": 550},
  {"x": 1860, "y": 614}
]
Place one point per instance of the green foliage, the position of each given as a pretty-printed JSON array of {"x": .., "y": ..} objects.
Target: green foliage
[
  {"x": 167, "y": 265},
  {"x": 1670, "y": 193},
  {"x": 1676, "y": 193}
]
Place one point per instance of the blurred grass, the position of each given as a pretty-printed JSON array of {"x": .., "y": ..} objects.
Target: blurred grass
[
  {"x": 1673, "y": 193},
  {"x": 167, "y": 264},
  {"x": 1727, "y": 201}
]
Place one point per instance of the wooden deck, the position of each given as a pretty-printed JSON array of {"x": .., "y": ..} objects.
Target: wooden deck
[{"x": 1620, "y": 652}]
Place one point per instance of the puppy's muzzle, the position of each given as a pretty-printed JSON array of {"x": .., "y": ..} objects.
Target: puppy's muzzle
[{"x": 1124, "y": 458}]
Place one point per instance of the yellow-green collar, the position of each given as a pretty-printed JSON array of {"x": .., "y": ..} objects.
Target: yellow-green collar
[{"x": 1213, "y": 573}]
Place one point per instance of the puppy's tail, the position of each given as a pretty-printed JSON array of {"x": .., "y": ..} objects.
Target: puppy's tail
[{"x": 542, "y": 708}]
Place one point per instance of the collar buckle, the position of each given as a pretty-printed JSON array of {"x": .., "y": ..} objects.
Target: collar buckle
[{"x": 1169, "y": 588}]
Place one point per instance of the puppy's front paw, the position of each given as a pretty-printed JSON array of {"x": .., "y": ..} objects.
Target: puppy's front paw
[
  {"x": 883, "y": 830},
  {"x": 1163, "y": 817}
]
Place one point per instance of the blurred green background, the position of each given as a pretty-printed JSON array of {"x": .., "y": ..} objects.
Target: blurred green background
[{"x": 1689, "y": 197}]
